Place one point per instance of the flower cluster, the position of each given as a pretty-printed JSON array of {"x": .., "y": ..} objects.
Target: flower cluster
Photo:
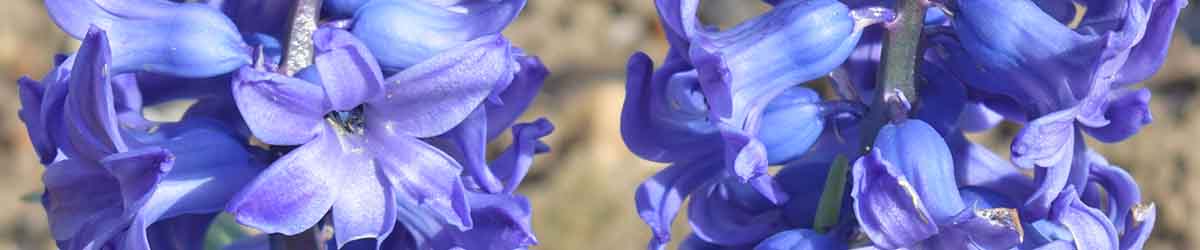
[
  {"x": 381, "y": 135},
  {"x": 727, "y": 104}
]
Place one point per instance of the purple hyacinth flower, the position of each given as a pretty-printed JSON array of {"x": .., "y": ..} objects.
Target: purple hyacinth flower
[
  {"x": 179, "y": 39},
  {"x": 1062, "y": 68},
  {"x": 114, "y": 185},
  {"x": 467, "y": 142},
  {"x": 404, "y": 33},
  {"x": 341, "y": 110}
]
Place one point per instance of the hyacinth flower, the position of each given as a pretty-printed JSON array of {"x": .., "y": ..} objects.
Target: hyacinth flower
[
  {"x": 702, "y": 108},
  {"x": 342, "y": 108},
  {"x": 113, "y": 186},
  {"x": 403, "y": 33},
  {"x": 905, "y": 195},
  {"x": 1062, "y": 69},
  {"x": 178, "y": 39}
]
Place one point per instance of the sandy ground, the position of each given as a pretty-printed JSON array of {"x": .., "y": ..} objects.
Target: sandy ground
[{"x": 582, "y": 192}]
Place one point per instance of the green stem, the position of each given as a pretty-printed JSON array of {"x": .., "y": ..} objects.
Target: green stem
[
  {"x": 897, "y": 72},
  {"x": 898, "y": 65}
]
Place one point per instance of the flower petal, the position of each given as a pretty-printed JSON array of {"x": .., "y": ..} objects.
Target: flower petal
[
  {"x": 724, "y": 213},
  {"x": 347, "y": 70},
  {"x": 424, "y": 173},
  {"x": 406, "y": 33},
  {"x": 512, "y": 165},
  {"x": 886, "y": 204},
  {"x": 517, "y": 96},
  {"x": 364, "y": 208},
  {"x": 89, "y": 117},
  {"x": 179, "y": 39},
  {"x": 1045, "y": 142},
  {"x": 800, "y": 239},
  {"x": 138, "y": 172},
  {"x": 432, "y": 97},
  {"x": 924, "y": 159},
  {"x": 1128, "y": 111},
  {"x": 294, "y": 192},
  {"x": 794, "y": 122},
  {"x": 660, "y": 197},
  {"x": 180, "y": 233},
  {"x": 81, "y": 201},
  {"x": 31, "y": 93},
  {"x": 1088, "y": 226},
  {"x": 280, "y": 110},
  {"x": 659, "y": 119}
]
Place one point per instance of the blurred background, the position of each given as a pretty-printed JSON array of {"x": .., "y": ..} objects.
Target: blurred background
[{"x": 582, "y": 192}]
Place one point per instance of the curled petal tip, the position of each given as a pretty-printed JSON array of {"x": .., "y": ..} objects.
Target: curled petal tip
[{"x": 868, "y": 16}]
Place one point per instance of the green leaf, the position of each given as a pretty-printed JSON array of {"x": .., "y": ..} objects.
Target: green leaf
[{"x": 830, "y": 206}]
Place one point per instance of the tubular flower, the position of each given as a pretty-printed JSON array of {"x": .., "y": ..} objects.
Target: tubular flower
[
  {"x": 113, "y": 184},
  {"x": 702, "y": 110},
  {"x": 373, "y": 128},
  {"x": 180, "y": 39},
  {"x": 1063, "y": 69}
]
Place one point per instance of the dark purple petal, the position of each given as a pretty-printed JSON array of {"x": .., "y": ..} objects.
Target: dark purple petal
[
  {"x": 976, "y": 166},
  {"x": 424, "y": 173},
  {"x": 501, "y": 223},
  {"x": 280, "y": 110},
  {"x": 887, "y": 206},
  {"x": 1032, "y": 57},
  {"x": 1127, "y": 112},
  {"x": 347, "y": 70},
  {"x": 746, "y": 158},
  {"x": 138, "y": 172},
  {"x": 180, "y": 233},
  {"x": 468, "y": 145},
  {"x": 804, "y": 183},
  {"x": 517, "y": 96},
  {"x": 718, "y": 215},
  {"x": 406, "y": 33},
  {"x": 662, "y": 117},
  {"x": 432, "y": 97},
  {"x": 512, "y": 165},
  {"x": 294, "y": 192},
  {"x": 343, "y": 8},
  {"x": 1148, "y": 55},
  {"x": 660, "y": 197},
  {"x": 81, "y": 201},
  {"x": 159, "y": 88},
  {"x": 31, "y": 93},
  {"x": 981, "y": 228},
  {"x": 1121, "y": 190},
  {"x": 258, "y": 16}
]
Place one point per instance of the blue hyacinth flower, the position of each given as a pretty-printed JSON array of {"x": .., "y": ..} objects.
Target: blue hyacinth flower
[{"x": 111, "y": 182}]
